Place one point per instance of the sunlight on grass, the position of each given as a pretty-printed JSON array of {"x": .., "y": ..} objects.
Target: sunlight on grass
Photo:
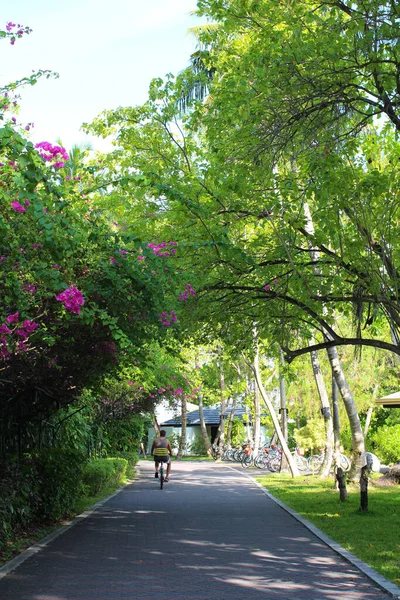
[{"x": 372, "y": 536}]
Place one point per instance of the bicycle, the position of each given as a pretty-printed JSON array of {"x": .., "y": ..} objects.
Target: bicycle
[
  {"x": 161, "y": 474},
  {"x": 314, "y": 462}
]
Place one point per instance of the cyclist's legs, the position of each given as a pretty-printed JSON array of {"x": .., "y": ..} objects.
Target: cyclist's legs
[{"x": 168, "y": 466}]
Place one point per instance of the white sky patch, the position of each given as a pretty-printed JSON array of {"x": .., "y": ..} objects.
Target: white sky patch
[{"x": 106, "y": 54}]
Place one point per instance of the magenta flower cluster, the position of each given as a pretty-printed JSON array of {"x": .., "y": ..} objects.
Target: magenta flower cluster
[
  {"x": 72, "y": 299},
  {"x": 27, "y": 327},
  {"x": 30, "y": 288},
  {"x": 168, "y": 318},
  {"x": 50, "y": 153},
  {"x": 267, "y": 288},
  {"x": 19, "y": 33},
  {"x": 189, "y": 291},
  {"x": 159, "y": 249},
  {"x": 18, "y": 207}
]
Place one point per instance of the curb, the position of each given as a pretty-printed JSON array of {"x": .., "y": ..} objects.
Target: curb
[
  {"x": 12, "y": 564},
  {"x": 378, "y": 579}
]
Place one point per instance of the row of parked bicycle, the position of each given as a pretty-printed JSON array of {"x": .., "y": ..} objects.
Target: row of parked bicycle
[{"x": 269, "y": 457}]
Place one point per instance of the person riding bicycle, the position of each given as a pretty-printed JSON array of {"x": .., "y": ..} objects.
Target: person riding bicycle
[{"x": 162, "y": 452}]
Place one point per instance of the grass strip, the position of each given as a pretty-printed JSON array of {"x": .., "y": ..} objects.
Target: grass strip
[{"x": 373, "y": 536}]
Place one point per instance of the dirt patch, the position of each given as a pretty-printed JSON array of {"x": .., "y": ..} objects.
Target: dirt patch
[{"x": 392, "y": 477}]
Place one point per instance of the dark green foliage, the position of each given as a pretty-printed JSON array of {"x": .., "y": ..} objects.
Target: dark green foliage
[
  {"x": 18, "y": 500},
  {"x": 40, "y": 488},
  {"x": 131, "y": 458},
  {"x": 198, "y": 446},
  {"x": 59, "y": 481},
  {"x": 123, "y": 435},
  {"x": 101, "y": 472},
  {"x": 386, "y": 443}
]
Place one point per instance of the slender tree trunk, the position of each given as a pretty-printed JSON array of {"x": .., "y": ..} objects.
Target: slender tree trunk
[
  {"x": 326, "y": 413},
  {"x": 155, "y": 425},
  {"x": 368, "y": 420},
  {"x": 358, "y": 446},
  {"x": 182, "y": 443},
  {"x": 257, "y": 409},
  {"x": 364, "y": 489},
  {"x": 292, "y": 465},
  {"x": 206, "y": 439},
  {"x": 219, "y": 440},
  {"x": 371, "y": 410},
  {"x": 248, "y": 431},
  {"x": 230, "y": 423},
  {"x": 282, "y": 394}
]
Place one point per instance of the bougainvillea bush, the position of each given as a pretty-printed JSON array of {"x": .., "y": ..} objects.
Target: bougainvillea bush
[{"x": 78, "y": 292}]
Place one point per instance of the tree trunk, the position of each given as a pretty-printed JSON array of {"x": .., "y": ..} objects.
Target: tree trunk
[
  {"x": 182, "y": 443},
  {"x": 155, "y": 425},
  {"x": 364, "y": 489},
  {"x": 219, "y": 440},
  {"x": 357, "y": 437},
  {"x": 292, "y": 465},
  {"x": 282, "y": 394},
  {"x": 206, "y": 439},
  {"x": 341, "y": 481},
  {"x": 340, "y": 476},
  {"x": 326, "y": 413},
  {"x": 230, "y": 423},
  {"x": 368, "y": 420},
  {"x": 257, "y": 410}
]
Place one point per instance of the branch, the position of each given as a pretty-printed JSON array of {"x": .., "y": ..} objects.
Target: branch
[{"x": 290, "y": 355}]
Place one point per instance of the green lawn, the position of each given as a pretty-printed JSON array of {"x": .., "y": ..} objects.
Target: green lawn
[{"x": 374, "y": 536}]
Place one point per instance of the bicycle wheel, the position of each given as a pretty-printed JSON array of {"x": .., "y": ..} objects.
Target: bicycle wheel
[
  {"x": 300, "y": 461},
  {"x": 259, "y": 462},
  {"x": 246, "y": 462},
  {"x": 161, "y": 476},
  {"x": 345, "y": 463},
  {"x": 274, "y": 464},
  {"x": 314, "y": 462}
]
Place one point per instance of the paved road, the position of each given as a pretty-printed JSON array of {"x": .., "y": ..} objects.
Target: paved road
[{"x": 210, "y": 534}]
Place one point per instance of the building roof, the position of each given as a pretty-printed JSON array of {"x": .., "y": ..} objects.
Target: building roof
[
  {"x": 211, "y": 417},
  {"x": 390, "y": 401}
]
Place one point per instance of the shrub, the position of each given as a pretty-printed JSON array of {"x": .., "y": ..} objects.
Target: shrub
[
  {"x": 198, "y": 446},
  {"x": 59, "y": 481},
  {"x": 102, "y": 472},
  {"x": 119, "y": 469},
  {"x": 386, "y": 443},
  {"x": 131, "y": 458},
  {"x": 18, "y": 499}
]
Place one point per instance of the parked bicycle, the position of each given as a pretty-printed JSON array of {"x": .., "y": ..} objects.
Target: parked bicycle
[{"x": 314, "y": 462}]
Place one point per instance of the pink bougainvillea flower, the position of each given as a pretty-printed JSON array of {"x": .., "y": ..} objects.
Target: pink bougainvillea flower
[
  {"x": 131, "y": 383},
  {"x": 18, "y": 207},
  {"x": 72, "y": 299},
  {"x": 267, "y": 288},
  {"x": 112, "y": 260},
  {"x": 29, "y": 325},
  {"x": 30, "y": 288},
  {"x": 21, "y": 333},
  {"x": 4, "y": 329},
  {"x": 13, "y": 318}
]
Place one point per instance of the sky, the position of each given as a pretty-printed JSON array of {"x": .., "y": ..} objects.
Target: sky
[{"x": 106, "y": 52}]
